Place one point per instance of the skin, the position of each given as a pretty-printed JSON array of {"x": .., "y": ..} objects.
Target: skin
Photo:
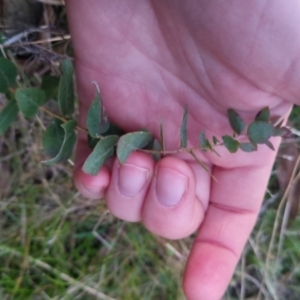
[{"x": 150, "y": 59}]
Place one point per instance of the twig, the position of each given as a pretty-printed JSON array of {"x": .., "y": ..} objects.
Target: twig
[{"x": 50, "y": 113}]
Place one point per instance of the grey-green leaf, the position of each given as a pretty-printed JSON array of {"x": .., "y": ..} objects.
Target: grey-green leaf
[
  {"x": 97, "y": 121},
  {"x": 248, "y": 147},
  {"x": 215, "y": 140},
  {"x": 236, "y": 122},
  {"x": 8, "y": 75},
  {"x": 162, "y": 137},
  {"x": 59, "y": 141},
  {"x": 270, "y": 145},
  {"x": 101, "y": 153},
  {"x": 263, "y": 115},
  {"x": 202, "y": 140},
  {"x": 66, "y": 89},
  {"x": 230, "y": 143},
  {"x": 53, "y": 138},
  {"x": 208, "y": 145},
  {"x": 29, "y": 100},
  {"x": 259, "y": 132},
  {"x": 50, "y": 85},
  {"x": 156, "y": 147},
  {"x": 183, "y": 128},
  {"x": 8, "y": 115},
  {"x": 130, "y": 142}
]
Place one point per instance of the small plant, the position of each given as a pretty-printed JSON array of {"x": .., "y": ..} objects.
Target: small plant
[{"x": 106, "y": 139}]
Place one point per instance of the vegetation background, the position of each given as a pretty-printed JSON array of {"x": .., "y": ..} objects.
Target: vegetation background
[{"x": 55, "y": 244}]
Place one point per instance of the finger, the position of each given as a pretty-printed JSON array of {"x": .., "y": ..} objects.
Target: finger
[
  {"x": 129, "y": 186},
  {"x": 177, "y": 199},
  {"x": 231, "y": 215},
  {"x": 93, "y": 187}
]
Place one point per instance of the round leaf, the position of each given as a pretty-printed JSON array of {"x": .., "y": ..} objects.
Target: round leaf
[
  {"x": 259, "y": 132},
  {"x": 29, "y": 100},
  {"x": 53, "y": 138},
  {"x": 59, "y": 143}
]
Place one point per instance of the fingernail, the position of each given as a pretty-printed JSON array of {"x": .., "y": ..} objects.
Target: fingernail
[
  {"x": 97, "y": 191},
  {"x": 170, "y": 186},
  {"x": 92, "y": 189},
  {"x": 132, "y": 179}
]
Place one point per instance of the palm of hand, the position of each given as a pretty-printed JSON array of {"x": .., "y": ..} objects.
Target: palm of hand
[{"x": 150, "y": 60}]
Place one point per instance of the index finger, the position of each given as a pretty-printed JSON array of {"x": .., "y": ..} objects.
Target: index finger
[{"x": 234, "y": 206}]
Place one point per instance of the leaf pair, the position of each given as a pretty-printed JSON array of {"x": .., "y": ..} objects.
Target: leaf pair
[
  {"x": 258, "y": 132},
  {"x": 125, "y": 145}
]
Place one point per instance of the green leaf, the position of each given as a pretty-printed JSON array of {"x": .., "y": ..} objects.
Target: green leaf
[
  {"x": 202, "y": 140},
  {"x": 66, "y": 89},
  {"x": 230, "y": 143},
  {"x": 270, "y": 145},
  {"x": 248, "y": 147},
  {"x": 97, "y": 122},
  {"x": 259, "y": 132},
  {"x": 130, "y": 142},
  {"x": 50, "y": 85},
  {"x": 236, "y": 122},
  {"x": 29, "y": 100},
  {"x": 156, "y": 147},
  {"x": 208, "y": 145},
  {"x": 263, "y": 115},
  {"x": 59, "y": 141},
  {"x": 53, "y": 138},
  {"x": 101, "y": 153},
  {"x": 8, "y": 75},
  {"x": 183, "y": 128},
  {"x": 215, "y": 140},
  {"x": 8, "y": 115},
  {"x": 162, "y": 137}
]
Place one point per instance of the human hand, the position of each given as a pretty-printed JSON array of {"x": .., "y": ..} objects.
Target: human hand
[{"x": 150, "y": 59}]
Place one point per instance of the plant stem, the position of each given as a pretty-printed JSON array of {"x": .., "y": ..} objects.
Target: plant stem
[{"x": 52, "y": 114}]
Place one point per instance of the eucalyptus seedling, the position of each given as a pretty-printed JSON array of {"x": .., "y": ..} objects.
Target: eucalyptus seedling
[{"x": 103, "y": 137}]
